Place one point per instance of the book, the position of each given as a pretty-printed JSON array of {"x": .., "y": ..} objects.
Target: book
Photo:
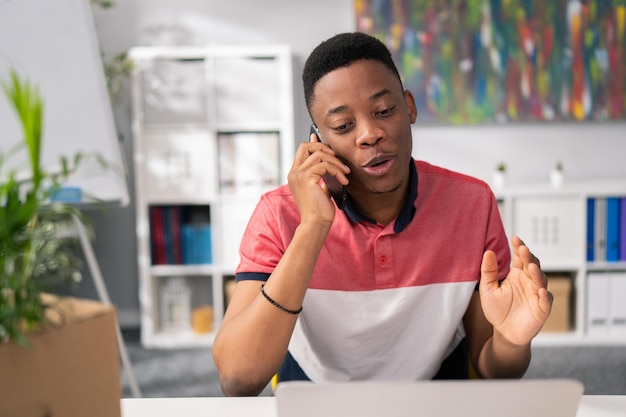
[
  {"x": 617, "y": 307},
  {"x": 177, "y": 248},
  {"x": 612, "y": 228},
  {"x": 203, "y": 243},
  {"x": 186, "y": 234},
  {"x": 598, "y": 303},
  {"x": 622, "y": 230},
  {"x": 196, "y": 244},
  {"x": 599, "y": 246},
  {"x": 157, "y": 237},
  {"x": 590, "y": 229},
  {"x": 153, "y": 240},
  {"x": 167, "y": 235}
]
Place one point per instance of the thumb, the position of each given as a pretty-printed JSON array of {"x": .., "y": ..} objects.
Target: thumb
[{"x": 489, "y": 272}]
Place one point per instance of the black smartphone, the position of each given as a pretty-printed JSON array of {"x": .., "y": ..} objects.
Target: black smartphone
[{"x": 338, "y": 191}]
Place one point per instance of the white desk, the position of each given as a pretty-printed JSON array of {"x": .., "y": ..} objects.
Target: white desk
[{"x": 590, "y": 406}]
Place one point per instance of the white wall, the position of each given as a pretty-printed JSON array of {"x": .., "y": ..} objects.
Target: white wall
[
  {"x": 529, "y": 151},
  {"x": 300, "y": 24}
]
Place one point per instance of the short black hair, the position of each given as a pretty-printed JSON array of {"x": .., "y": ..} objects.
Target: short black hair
[{"x": 342, "y": 50}]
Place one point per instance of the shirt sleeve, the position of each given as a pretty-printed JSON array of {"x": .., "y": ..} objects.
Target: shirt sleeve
[
  {"x": 496, "y": 239},
  {"x": 267, "y": 236}
]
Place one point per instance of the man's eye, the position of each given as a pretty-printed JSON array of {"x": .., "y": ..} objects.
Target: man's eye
[
  {"x": 386, "y": 111},
  {"x": 342, "y": 128}
]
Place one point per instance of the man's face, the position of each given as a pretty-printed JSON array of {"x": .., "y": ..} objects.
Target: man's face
[{"x": 365, "y": 116}]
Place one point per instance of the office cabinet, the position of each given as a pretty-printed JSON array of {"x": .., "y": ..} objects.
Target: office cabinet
[
  {"x": 212, "y": 130},
  {"x": 569, "y": 228}
]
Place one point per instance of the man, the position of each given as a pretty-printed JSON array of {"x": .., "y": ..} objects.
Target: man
[{"x": 410, "y": 279}]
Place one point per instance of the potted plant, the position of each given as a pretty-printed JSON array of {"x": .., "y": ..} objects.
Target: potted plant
[
  {"x": 36, "y": 254},
  {"x": 58, "y": 355}
]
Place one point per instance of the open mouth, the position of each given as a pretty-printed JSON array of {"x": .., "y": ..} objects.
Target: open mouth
[{"x": 379, "y": 166}]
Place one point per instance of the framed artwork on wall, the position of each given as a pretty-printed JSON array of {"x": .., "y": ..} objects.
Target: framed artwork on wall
[{"x": 503, "y": 61}]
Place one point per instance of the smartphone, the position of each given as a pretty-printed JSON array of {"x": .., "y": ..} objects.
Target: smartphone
[{"x": 338, "y": 191}]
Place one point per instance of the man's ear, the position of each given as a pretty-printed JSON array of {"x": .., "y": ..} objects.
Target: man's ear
[{"x": 410, "y": 103}]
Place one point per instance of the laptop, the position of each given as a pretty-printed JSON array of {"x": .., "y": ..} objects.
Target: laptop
[{"x": 451, "y": 398}]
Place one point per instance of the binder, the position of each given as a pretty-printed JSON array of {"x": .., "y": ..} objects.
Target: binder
[
  {"x": 157, "y": 236},
  {"x": 598, "y": 303},
  {"x": 599, "y": 246},
  {"x": 622, "y": 230},
  {"x": 175, "y": 224},
  {"x": 612, "y": 228},
  {"x": 167, "y": 235},
  {"x": 617, "y": 306},
  {"x": 590, "y": 229}
]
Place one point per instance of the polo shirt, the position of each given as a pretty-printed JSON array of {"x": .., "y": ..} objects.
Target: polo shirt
[{"x": 384, "y": 301}]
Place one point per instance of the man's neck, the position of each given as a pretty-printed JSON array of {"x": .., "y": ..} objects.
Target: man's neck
[{"x": 384, "y": 207}]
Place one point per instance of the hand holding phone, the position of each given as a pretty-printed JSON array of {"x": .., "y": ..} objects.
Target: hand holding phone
[{"x": 338, "y": 191}]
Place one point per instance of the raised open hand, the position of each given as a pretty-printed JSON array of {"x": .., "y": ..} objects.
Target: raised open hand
[{"x": 519, "y": 305}]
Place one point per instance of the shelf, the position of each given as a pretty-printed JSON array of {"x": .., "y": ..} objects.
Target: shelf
[
  {"x": 582, "y": 188},
  {"x": 172, "y": 270},
  {"x": 212, "y": 131},
  {"x": 253, "y": 127},
  {"x": 554, "y": 223},
  {"x": 552, "y": 265},
  {"x": 606, "y": 266},
  {"x": 176, "y": 339},
  {"x": 576, "y": 339}
]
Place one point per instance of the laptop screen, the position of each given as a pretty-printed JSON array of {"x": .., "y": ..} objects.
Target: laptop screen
[{"x": 466, "y": 398}]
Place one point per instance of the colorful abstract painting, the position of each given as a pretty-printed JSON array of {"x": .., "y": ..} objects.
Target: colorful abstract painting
[{"x": 499, "y": 61}]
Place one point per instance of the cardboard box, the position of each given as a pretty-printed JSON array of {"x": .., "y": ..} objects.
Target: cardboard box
[
  {"x": 71, "y": 368},
  {"x": 559, "y": 319}
]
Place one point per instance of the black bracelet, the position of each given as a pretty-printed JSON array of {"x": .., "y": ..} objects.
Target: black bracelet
[{"x": 286, "y": 310}]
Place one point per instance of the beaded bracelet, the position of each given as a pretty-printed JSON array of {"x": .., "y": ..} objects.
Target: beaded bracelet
[{"x": 286, "y": 310}]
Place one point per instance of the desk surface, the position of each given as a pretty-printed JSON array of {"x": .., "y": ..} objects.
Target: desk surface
[{"x": 590, "y": 406}]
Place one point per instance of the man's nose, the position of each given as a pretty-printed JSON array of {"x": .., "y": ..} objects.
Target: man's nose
[{"x": 369, "y": 134}]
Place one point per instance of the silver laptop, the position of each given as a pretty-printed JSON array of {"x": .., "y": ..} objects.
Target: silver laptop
[{"x": 466, "y": 398}]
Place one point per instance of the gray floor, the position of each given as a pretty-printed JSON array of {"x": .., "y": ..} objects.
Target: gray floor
[{"x": 192, "y": 373}]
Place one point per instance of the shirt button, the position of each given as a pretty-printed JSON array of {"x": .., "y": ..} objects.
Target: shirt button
[{"x": 382, "y": 260}]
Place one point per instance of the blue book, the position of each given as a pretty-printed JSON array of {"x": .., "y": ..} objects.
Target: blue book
[
  {"x": 186, "y": 232},
  {"x": 622, "y": 230},
  {"x": 205, "y": 255},
  {"x": 590, "y": 229},
  {"x": 599, "y": 230},
  {"x": 612, "y": 228}
]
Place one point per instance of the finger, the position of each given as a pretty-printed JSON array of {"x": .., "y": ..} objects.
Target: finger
[
  {"x": 320, "y": 161},
  {"x": 339, "y": 172},
  {"x": 537, "y": 277},
  {"x": 522, "y": 256},
  {"x": 545, "y": 300},
  {"x": 489, "y": 272},
  {"x": 306, "y": 149},
  {"x": 516, "y": 261},
  {"x": 530, "y": 263}
]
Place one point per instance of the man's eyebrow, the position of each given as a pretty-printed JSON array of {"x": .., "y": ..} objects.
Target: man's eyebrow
[
  {"x": 337, "y": 109},
  {"x": 380, "y": 94},
  {"x": 373, "y": 97}
]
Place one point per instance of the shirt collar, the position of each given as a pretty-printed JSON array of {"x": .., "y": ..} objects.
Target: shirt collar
[{"x": 406, "y": 214}]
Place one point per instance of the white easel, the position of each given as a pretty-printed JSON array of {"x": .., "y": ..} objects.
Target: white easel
[{"x": 104, "y": 297}]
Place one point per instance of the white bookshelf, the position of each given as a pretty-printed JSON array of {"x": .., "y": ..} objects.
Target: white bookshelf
[
  {"x": 553, "y": 223},
  {"x": 213, "y": 128}
]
